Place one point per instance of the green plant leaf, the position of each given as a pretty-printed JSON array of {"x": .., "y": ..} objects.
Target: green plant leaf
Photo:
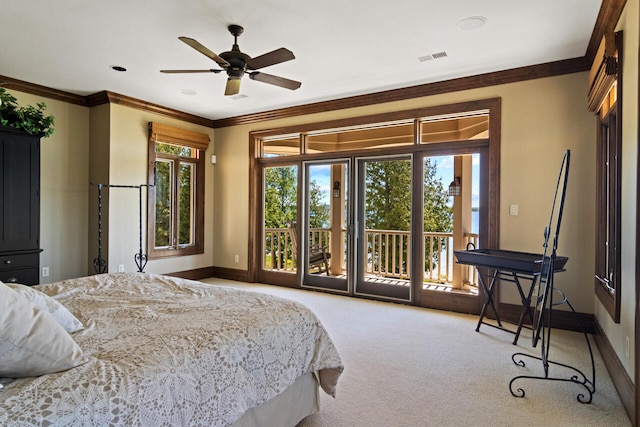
[{"x": 30, "y": 119}]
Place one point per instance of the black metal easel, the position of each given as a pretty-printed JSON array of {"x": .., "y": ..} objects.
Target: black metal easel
[
  {"x": 140, "y": 258},
  {"x": 544, "y": 305}
]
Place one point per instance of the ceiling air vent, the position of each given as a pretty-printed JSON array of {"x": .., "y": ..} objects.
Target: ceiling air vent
[{"x": 437, "y": 55}]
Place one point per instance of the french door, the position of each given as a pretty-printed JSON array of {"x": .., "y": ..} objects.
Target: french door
[
  {"x": 383, "y": 224},
  {"x": 326, "y": 232},
  {"x": 374, "y": 260}
]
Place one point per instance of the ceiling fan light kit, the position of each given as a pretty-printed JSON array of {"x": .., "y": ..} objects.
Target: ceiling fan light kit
[{"x": 236, "y": 64}]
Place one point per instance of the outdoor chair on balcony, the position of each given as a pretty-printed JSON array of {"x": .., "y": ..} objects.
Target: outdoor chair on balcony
[{"x": 318, "y": 254}]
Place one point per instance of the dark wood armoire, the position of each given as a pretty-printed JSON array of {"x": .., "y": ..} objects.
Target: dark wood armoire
[{"x": 19, "y": 207}]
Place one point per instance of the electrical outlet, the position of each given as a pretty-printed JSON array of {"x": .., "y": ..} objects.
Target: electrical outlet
[
  {"x": 513, "y": 210},
  {"x": 120, "y": 268},
  {"x": 236, "y": 259},
  {"x": 45, "y": 271}
]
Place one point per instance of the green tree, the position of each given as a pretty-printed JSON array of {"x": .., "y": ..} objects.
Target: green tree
[
  {"x": 388, "y": 206},
  {"x": 388, "y": 195},
  {"x": 281, "y": 197},
  {"x": 281, "y": 186},
  {"x": 280, "y": 208},
  {"x": 163, "y": 204},
  {"x": 318, "y": 210},
  {"x": 438, "y": 215},
  {"x": 184, "y": 212},
  {"x": 280, "y": 205}
]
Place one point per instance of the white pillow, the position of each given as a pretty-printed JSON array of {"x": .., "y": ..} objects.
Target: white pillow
[
  {"x": 67, "y": 320},
  {"x": 32, "y": 343}
]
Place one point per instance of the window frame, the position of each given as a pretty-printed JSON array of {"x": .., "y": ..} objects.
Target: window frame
[
  {"x": 607, "y": 95},
  {"x": 609, "y": 212},
  {"x": 198, "y": 142}
]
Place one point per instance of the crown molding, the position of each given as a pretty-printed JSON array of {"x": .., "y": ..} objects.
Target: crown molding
[
  {"x": 108, "y": 97},
  {"x": 550, "y": 69},
  {"x": 47, "y": 92},
  {"x": 608, "y": 17}
]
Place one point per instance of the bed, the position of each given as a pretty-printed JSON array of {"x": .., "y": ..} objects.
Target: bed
[{"x": 157, "y": 350}]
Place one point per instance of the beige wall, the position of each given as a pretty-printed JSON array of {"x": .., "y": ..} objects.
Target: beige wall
[
  {"x": 619, "y": 333},
  {"x": 128, "y": 166}
]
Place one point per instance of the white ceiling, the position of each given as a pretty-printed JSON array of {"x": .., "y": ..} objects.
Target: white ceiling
[{"x": 342, "y": 47}]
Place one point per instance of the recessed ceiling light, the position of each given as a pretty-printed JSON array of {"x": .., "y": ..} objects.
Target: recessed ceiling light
[
  {"x": 472, "y": 23},
  {"x": 118, "y": 68},
  {"x": 189, "y": 92}
]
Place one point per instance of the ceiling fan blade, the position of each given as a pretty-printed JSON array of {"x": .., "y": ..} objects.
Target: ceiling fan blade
[
  {"x": 233, "y": 87},
  {"x": 203, "y": 50},
  {"x": 275, "y": 80},
  {"x": 212, "y": 70},
  {"x": 271, "y": 58}
]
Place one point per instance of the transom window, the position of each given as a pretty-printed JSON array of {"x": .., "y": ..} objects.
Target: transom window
[{"x": 463, "y": 126}]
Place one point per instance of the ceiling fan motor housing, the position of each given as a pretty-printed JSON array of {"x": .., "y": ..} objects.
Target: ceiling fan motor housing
[{"x": 237, "y": 61}]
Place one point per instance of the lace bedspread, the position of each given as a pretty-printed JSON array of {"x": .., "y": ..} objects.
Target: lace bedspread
[{"x": 169, "y": 351}]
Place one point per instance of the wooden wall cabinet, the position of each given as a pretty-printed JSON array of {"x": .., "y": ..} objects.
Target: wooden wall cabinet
[{"x": 19, "y": 207}]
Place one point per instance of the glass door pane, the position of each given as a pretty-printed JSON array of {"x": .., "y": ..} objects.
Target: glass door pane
[
  {"x": 451, "y": 218},
  {"x": 384, "y": 227},
  {"x": 325, "y": 238},
  {"x": 280, "y": 215}
]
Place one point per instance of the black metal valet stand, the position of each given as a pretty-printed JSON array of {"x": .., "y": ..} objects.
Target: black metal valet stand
[
  {"x": 544, "y": 308},
  {"x": 140, "y": 258}
]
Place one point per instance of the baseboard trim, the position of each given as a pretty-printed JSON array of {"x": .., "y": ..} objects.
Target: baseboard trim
[
  {"x": 560, "y": 319},
  {"x": 230, "y": 274},
  {"x": 619, "y": 376},
  {"x": 195, "y": 274}
]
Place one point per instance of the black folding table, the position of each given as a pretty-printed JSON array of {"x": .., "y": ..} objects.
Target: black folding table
[{"x": 521, "y": 268}]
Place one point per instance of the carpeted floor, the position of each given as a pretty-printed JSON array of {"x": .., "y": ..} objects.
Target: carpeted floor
[{"x": 408, "y": 366}]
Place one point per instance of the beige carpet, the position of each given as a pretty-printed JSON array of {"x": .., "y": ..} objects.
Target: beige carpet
[{"x": 408, "y": 366}]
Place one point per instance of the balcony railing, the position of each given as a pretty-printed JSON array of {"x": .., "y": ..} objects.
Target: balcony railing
[{"x": 388, "y": 253}]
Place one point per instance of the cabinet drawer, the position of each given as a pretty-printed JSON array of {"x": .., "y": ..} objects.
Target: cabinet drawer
[
  {"x": 25, "y": 276},
  {"x": 10, "y": 262}
]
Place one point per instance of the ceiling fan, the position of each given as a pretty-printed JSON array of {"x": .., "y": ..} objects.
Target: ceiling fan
[{"x": 237, "y": 63}]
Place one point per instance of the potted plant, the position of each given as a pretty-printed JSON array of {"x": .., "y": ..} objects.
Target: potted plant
[{"x": 29, "y": 119}]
